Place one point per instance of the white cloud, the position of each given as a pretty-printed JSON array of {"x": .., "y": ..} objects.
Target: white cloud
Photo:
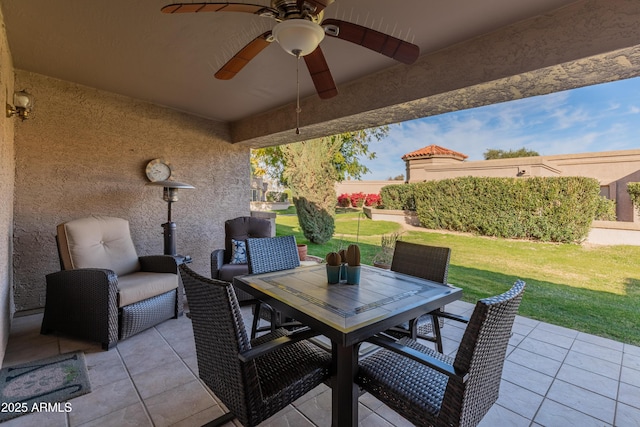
[{"x": 595, "y": 118}]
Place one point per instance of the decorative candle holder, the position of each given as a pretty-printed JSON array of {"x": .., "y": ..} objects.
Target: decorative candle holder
[
  {"x": 353, "y": 274},
  {"x": 333, "y": 274}
]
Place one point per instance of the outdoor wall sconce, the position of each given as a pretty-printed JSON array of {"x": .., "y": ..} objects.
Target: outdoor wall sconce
[
  {"x": 170, "y": 195},
  {"x": 23, "y": 104}
]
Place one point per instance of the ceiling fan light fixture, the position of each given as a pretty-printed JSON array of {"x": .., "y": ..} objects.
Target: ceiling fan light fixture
[{"x": 298, "y": 37}]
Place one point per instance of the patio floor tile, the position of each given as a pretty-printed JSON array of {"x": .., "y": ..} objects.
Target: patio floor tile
[
  {"x": 553, "y": 414},
  {"x": 627, "y": 416},
  {"x": 543, "y": 349},
  {"x": 131, "y": 416},
  {"x": 543, "y": 364},
  {"x": 630, "y": 376},
  {"x": 552, "y": 337},
  {"x": 526, "y": 378},
  {"x": 602, "y": 342},
  {"x": 593, "y": 364},
  {"x": 631, "y": 349},
  {"x": 585, "y": 401},
  {"x": 629, "y": 394},
  {"x": 179, "y": 403},
  {"x": 631, "y": 361},
  {"x": 598, "y": 351},
  {"x": 589, "y": 381},
  {"x": 102, "y": 401},
  {"x": 519, "y": 400},
  {"x": 501, "y": 416}
]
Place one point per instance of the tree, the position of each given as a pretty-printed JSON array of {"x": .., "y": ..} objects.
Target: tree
[
  {"x": 311, "y": 169},
  {"x": 493, "y": 153}
]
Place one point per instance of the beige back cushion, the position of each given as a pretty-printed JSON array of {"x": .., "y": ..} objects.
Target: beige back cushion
[{"x": 98, "y": 242}]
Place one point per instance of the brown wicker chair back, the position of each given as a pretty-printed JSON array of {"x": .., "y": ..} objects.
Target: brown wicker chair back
[
  {"x": 481, "y": 355},
  {"x": 265, "y": 255},
  {"x": 427, "y": 262},
  {"x": 269, "y": 254},
  {"x": 252, "y": 389}
]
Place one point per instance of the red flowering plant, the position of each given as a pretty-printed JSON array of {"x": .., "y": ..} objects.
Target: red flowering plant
[
  {"x": 372, "y": 200},
  {"x": 344, "y": 200},
  {"x": 357, "y": 200}
]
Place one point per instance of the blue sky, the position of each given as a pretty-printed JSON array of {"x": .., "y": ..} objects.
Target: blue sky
[{"x": 604, "y": 117}]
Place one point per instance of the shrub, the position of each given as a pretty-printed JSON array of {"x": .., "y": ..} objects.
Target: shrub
[
  {"x": 344, "y": 200},
  {"x": 398, "y": 196},
  {"x": 549, "y": 209},
  {"x": 316, "y": 223},
  {"x": 605, "y": 210},
  {"x": 274, "y": 196},
  {"x": 633, "y": 188}
]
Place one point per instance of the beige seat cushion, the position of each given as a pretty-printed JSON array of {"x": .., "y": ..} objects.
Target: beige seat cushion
[
  {"x": 142, "y": 285},
  {"x": 98, "y": 242}
]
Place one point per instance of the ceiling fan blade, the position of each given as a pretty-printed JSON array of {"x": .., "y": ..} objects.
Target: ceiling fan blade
[
  {"x": 320, "y": 74},
  {"x": 319, "y": 5},
  {"x": 242, "y": 58},
  {"x": 385, "y": 44},
  {"x": 218, "y": 7}
]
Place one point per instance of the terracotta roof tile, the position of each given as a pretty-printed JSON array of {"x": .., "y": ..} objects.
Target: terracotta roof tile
[{"x": 434, "y": 151}]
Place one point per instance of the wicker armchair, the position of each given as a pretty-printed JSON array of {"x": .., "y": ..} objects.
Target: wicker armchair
[
  {"x": 104, "y": 291},
  {"x": 427, "y": 262},
  {"x": 239, "y": 229},
  {"x": 431, "y": 389},
  {"x": 266, "y": 255},
  {"x": 254, "y": 379}
]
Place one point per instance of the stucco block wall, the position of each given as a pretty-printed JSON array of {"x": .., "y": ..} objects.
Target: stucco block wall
[
  {"x": 85, "y": 151},
  {"x": 7, "y": 167},
  {"x": 367, "y": 187}
]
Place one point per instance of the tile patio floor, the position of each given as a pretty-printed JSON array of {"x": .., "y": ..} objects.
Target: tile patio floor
[{"x": 553, "y": 376}]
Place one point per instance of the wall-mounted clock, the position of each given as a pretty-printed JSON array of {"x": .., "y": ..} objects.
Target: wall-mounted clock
[{"x": 158, "y": 170}]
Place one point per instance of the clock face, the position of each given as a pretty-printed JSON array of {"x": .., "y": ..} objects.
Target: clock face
[{"x": 158, "y": 170}]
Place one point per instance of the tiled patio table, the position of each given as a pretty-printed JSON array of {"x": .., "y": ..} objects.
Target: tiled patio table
[{"x": 347, "y": 314}]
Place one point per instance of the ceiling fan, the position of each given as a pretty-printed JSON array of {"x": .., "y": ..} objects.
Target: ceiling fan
[{"x": 299, "y": 30}]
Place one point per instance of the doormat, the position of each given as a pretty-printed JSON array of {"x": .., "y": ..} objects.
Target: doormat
[{"x": 43, "y": 386}]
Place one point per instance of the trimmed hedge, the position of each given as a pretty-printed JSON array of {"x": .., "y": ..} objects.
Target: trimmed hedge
[
  {"x": 398, "y": 196},
  {"x": 556, "y": 209}
]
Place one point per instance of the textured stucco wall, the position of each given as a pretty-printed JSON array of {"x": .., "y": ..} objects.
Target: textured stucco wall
[
  {"x": 367, "y": 187},
  {"x": 85, "y": 152},
  {"x": 7, "y": 167}
]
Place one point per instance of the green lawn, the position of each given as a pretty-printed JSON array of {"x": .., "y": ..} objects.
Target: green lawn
[{"x": 590, "y": 289}]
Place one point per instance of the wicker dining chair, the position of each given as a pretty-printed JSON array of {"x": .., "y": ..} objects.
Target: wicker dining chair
[
  {"x": 426, "y": 262},
  {"x": 265, "y": 255},
  {"x": 431, "y": 389},
  {"x": 253, "y": 378}
]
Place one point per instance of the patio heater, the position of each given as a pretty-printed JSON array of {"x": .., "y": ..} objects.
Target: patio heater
[{"x": 170, "y": 195}]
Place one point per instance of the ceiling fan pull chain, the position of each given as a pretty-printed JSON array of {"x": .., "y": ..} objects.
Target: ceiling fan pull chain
[{"x": 298, "y": 109}]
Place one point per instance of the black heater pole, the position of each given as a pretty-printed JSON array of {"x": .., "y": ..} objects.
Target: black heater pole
[
  {"x": 170, "y": 195},
  {"x": 169, "y": 234}
]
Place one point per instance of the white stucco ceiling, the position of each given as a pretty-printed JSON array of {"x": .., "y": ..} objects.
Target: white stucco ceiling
[{"x": 130, "y": 48}]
